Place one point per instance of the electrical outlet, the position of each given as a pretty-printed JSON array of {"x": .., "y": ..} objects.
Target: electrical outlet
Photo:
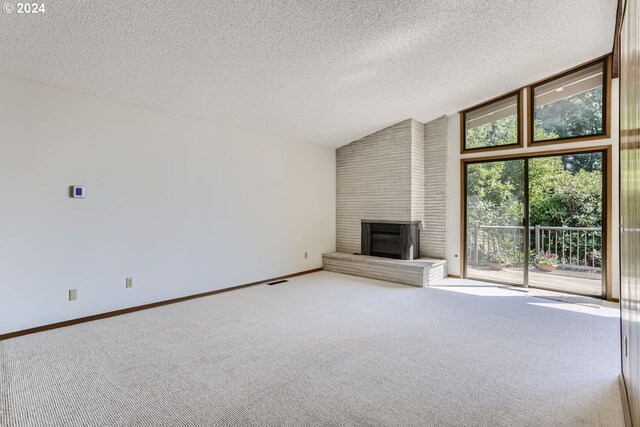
[
  {"x": 129, "y": 282},
  {"x": 306, "y": 255},
  {"x": 73, "y": 294}
]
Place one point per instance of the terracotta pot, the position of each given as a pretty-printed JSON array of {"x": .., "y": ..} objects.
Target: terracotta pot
[
  {"x": 495, "y": 266},
  {"x": 547, "y": 268}
]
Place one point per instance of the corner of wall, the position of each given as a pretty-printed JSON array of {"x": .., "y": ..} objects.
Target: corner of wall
[
  {"x": 433, "y": 240},
  {"x": 417, "y": 172}
]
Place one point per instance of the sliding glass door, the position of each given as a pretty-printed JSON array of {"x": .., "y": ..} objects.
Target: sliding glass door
[
  {"x": 495, "y": 213},
  {"x": 537, "y": 221},
  {"x": 566, "y": 215}
]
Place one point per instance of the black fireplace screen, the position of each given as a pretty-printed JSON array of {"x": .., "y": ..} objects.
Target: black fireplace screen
[{"x": 399, "y": 240}]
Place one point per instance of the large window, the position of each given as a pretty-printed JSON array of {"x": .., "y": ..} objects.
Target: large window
[
  {"x": 570, "y": 106},
  {"x": 495, "y": 124},
  {"x": 537, "y": 221}
]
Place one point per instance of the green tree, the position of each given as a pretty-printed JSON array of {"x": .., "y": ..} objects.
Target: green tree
[
  {"x": 499, "y": 132},
  {"x": 564, "y": 190},
  {"x": 565, "y": 197},
  {"x": 577, "y": 115}
]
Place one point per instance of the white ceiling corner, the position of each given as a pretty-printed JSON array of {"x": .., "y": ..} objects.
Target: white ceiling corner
[{"x": 326, "y": 72}]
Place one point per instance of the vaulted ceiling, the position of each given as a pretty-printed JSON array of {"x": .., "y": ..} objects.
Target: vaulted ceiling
[{"x": 326, "y": 72}]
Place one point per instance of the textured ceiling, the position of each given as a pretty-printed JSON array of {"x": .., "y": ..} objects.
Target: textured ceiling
[{"x": 321, "y": 71}]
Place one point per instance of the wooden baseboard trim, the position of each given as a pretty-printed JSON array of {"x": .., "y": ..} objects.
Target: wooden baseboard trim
[
  {"x": 145, "y": 306},
  {"x": 455, "y": 276}
]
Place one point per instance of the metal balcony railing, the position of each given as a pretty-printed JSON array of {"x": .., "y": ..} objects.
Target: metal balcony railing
[{"x": 577, "y": 248}]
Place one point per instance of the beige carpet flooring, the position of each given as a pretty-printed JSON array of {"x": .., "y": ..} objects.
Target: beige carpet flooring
[{"x": 328, "y": 350}]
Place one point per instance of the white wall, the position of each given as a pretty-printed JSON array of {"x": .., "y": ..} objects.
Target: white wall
[
  {"x": 453, "y": 196},
  {"x": 183, "y": 206}
]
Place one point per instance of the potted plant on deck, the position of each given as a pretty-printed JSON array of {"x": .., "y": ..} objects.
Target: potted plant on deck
[
  {"x": 546, "y": 261},
  {"x": 497, "y": 259}
]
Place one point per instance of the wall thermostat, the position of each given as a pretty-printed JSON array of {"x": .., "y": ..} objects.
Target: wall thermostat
[{"x": 77, "y": 192}]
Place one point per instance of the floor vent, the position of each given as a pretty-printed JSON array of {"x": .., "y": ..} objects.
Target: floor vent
[{"x": 279, "y": 281}]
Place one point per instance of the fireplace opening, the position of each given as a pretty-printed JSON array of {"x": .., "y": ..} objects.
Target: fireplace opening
[{"x": 390, "y": 239}]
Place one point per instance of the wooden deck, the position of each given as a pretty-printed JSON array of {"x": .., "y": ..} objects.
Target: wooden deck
[{"x": 562, "y": 281}]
